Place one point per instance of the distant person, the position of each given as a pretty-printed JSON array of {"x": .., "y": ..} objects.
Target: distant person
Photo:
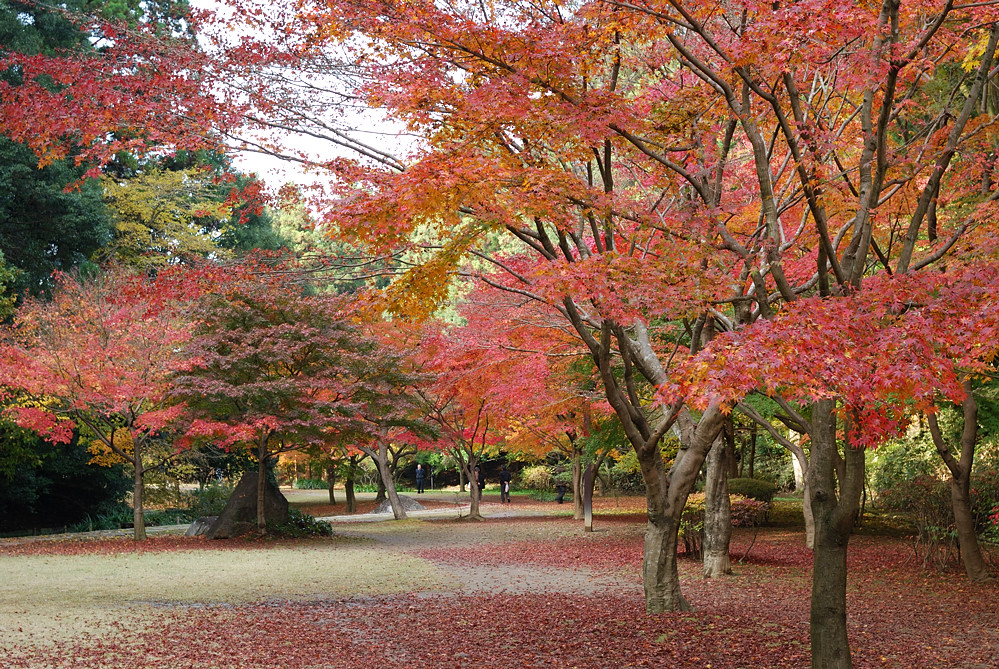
[
  {"x": 480, "y": 480},
  {"x": 421, "y": 476},
  {"x": 504, "y": 481},
  {"x": 561, "y": 489}
]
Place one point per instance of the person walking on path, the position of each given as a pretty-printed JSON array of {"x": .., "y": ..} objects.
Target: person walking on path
[
  {"x": 504, "y": 481},
  {"x": 421, "y": 476}
]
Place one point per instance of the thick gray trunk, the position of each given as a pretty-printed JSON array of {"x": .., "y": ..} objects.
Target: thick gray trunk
[
  {"x": 717, "y": 513},
  {"x": 666, "y": 497}
]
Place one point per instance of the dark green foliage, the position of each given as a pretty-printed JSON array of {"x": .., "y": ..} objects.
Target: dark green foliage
[
  {"x": 763, "y": 491},
  {"x": 311, "y": 484},
  {"x": 58, "y": 487},
  {"x": 301, "y": 525},
  {"x": 42, "y": 226},
  {"x": 112, "y": 518},
  {"x": 208, "y": 501}
]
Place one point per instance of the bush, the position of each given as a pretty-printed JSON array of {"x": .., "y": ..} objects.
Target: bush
[
  {"x": 927, "y": 502},
  {"x": 537, "y": 477},
  {"x": 311, "y": 484},
  {"x": 109, "y": 517},
  {"x": 745, "y": 513},
  {"x": 172, "y": 516},
  {"x": 991, "y": 533},
  {"x": 208, "y": 501},
  {"x": 757, "y": 489},
  {"x": 300, "y": 525}
]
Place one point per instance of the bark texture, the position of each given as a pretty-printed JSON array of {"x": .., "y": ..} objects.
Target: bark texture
[
  {"x": 835, "y": 510},
  {"x": 717, "y": 513}
]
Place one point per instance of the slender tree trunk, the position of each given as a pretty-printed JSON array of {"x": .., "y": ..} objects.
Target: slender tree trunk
[
  {"x": 960, "y": 485},
  {"x": 834, "y": 519},
  {"x": 730, "y": 459},
  {"x": 717, "y": 513},
  {"x": 381, "y": 460},
  {"x": 577, "y": 484},
  {"x": 588, "y": 479},
  {"x": 138, "y": 512},
  {"x": 752, "y": 453},
  {"x": 806, "y": 512},
  {"x": 261, "y": 484},
  {"x": 331, "y": 481}
]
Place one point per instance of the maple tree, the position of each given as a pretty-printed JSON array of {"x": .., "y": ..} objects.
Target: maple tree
[
  {"x": 675, "y": 170},
  {"x": 275, "y": 368},
  {"x": 97, "y": 357},
  {"x": 129, "y": 85},
  {"x": 462, "y": 403}
]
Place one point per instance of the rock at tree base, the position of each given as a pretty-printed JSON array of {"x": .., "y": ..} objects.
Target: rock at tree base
[
  {"x": 200, "y": 526},
  {"x": 240, "y": 514},
  {"x": 408, "y": 503}
]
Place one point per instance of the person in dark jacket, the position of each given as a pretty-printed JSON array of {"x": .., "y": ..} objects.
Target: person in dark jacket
[
  {"x": 480, "y": 480},
  {"x": 504, "y": 481},
  {"x": 421, "y": 476}
]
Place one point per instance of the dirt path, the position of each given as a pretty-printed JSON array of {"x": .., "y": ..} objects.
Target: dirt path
[{"x": 443, "y": 540}]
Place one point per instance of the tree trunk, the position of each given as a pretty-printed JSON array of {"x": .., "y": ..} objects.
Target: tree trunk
[
  {"x": 806, "y": 512},
  {"x": 717, "y": 513},
  {"x": 348, "y": 492},
  {"x": 588, "y": 478},
  {"x": 967, "y": 537},
  {"x": 331, "y": 481},
  {"x": 834, "y": 520},
  {"x": 381, "y": 460},
  {"x": 138, "y": 512},
  {"x": 730, "y": 459},
  {"x": 577, "y": 485},
  {"x": 474, "y": 495},
  {"x": 381, "y": 495},
  {"x": 960, "y": 484},
  {"x": 261, "y": 483},
  {"x": 666, "y": 497}
]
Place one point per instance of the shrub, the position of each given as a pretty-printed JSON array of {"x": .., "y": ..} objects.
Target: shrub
[
  {"x": 311, "y": 484},
  {"x": 208, "y": 501},
  {"x": 927, "y": 502},
  {"x": 991, "y": 533},
  {"x": 745, "y": 513},
  {"x": 301, "y": 525},
  {"x": 537, "y": 477},
  {"x": 172, "y": 516},
  {"x": 757, "y": 489},
  {"x": 109, "y": 517}
]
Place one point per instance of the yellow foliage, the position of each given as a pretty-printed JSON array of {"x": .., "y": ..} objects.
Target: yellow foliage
[
  {"x": 104, "y": 456},
  {"x": 159, "y": 216}
]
